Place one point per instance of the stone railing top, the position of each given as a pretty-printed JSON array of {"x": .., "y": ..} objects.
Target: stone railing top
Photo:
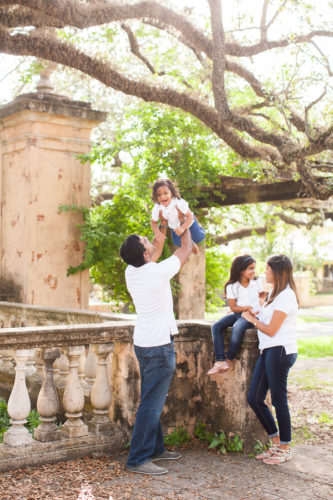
[
  {"x": 58, "y": 315},
  {"x": 96, "y": 333}
]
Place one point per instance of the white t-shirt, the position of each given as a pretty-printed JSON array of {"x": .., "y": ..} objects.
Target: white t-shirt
[
  {"x": 286, "y": 335},
  {"x": 149, "y": 286},
  {"x": 248, "y": 296},
  {"x": 170, "y": 212}
]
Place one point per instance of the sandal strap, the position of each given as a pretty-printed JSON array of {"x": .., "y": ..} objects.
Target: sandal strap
[{"x": 281, "y": 455}]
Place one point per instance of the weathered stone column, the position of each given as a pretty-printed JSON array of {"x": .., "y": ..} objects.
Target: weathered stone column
[
  {"x": 190, "y": 300},
  {"x": 101, "y": 392},
  {"x": 40, "y": 136},
  {"x": 73, "y": 399},
  {"x": 47, "y": 402},
  {"x": 19, "y": 404}
]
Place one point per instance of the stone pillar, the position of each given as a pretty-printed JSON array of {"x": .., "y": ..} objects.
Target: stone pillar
[
  {"x": 190, "y": 300},
  {"x": 40, "y": 136}
]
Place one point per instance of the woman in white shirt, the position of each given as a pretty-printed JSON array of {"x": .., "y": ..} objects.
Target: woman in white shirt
[{"x": 276, "y": 326}]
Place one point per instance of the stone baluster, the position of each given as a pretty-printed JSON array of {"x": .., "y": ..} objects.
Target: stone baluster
[
  {"x": 63, "y": 366},
  {"x": 56, "y": 368},
  {"x": 47, "y": 402},
  {"x": 90, "y": 368},
  {"x": 82, "y": 362},
  {"x": 101, "y": 392},
  {"x": 7, "y": 364},
  {"x": 73, "y": 399},
  {"x": 19, "y": 404},
  {"x": 30, "y": 368}
]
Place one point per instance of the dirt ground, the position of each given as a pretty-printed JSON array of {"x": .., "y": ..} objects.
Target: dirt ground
[
  {"x": 104, "y": 478},
  {"x": 311, "y": 401}
]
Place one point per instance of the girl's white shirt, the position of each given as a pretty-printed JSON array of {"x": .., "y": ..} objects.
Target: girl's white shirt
[
  {"x": 285, "y": 302},
  {"x": 248, "y": 296},
  {"x": 170, "y": 212}
]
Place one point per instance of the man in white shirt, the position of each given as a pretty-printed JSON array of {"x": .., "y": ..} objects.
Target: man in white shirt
[{"x": 149, "y": 285}]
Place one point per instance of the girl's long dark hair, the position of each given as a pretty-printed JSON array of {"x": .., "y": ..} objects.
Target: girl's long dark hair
[
  {"x": 238, "y": 265},
  {"x": 283, "y": 275},
  {"x": 164, "y": 182}
]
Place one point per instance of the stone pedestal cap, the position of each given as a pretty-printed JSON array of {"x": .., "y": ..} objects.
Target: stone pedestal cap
[{"x": 53, "y": 104}]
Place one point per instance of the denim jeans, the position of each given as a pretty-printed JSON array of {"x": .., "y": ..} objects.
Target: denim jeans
[
  {"x": 197, "y": 234},
  {"x": 239, "y": 326},
  {"x": 271, "y": 372},
  {"x": 157, "y": 365}
]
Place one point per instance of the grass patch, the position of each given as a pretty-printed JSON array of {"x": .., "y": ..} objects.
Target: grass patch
[
  {"x": 309, "y": 380},
  {"x": 316, "y": 347},
  {"x": 315, "y": 319},
  {"x": 325, "y": 418},
  {"x": 177, "y": 437}
]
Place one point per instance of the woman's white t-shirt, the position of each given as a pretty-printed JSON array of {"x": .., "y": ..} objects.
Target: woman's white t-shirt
[
  {"x": 170, "y": 212},
  {"x": 285, "y": 302},
  {"x": 248, "y": 296}
]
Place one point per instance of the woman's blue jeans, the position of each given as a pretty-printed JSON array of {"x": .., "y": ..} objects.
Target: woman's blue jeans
[
  {"x": 271, "y": 372},
  {"x": 157, "y": 365},
  {"x": 239, "y": 325},
  {"x": 197, "y": 234}
]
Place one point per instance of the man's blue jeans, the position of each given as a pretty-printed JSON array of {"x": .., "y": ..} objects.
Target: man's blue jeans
[
  {"x": 157, "y": 365},
  {"x": 271, "y": 372},
  {"x": 239, "y": 326}
]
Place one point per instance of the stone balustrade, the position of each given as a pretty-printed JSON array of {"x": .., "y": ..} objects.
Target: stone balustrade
[{"x": 98, "y": 361}]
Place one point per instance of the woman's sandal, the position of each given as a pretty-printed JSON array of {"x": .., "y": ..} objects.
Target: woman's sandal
[
  {"x": 268, "y": 453},
  {"x": 279, "y": 457}
]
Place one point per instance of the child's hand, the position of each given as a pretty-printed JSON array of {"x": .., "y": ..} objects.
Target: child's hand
[
  {"x": 251, "y": 311},
  {"x": 179, "y": 230}
]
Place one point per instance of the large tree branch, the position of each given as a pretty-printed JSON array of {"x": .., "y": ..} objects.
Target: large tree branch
[
  {"x": 80, "y": 15},
  {"x": 238, "y": 235},
  {"x": 68, "y": 55},
  {"x": 218, "y": 82}
]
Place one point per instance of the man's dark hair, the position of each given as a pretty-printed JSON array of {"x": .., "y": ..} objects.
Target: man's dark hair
[{"x": 132, "y": 250}]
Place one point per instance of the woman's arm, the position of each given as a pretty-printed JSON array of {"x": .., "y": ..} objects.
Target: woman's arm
[
  {"x": 272, "y": 328},
  {"x": 185, "y": 224}
]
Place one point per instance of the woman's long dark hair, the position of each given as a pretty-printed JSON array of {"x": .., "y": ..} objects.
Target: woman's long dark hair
[
  {"x": 282, "y": 274},
  {"x": 164, "y": 182},
  {"x": 239, "y": 264}
]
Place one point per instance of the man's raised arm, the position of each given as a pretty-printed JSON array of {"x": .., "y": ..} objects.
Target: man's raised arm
[{"x": 185, "y": 250}]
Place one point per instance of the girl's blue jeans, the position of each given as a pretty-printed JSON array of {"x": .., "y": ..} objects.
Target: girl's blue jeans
[
  {"x": 157, "y": 365},
  {"x": 271, "y": 372},
  {"x": 239, "y": 325},
  {"x": 197, "y": 234}
]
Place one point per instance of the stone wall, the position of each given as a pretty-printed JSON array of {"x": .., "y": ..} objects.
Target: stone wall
[{"x": 218, "y": 401}]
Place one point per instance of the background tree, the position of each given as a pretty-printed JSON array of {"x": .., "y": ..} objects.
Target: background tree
[{"x": 276, "y": 122}]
